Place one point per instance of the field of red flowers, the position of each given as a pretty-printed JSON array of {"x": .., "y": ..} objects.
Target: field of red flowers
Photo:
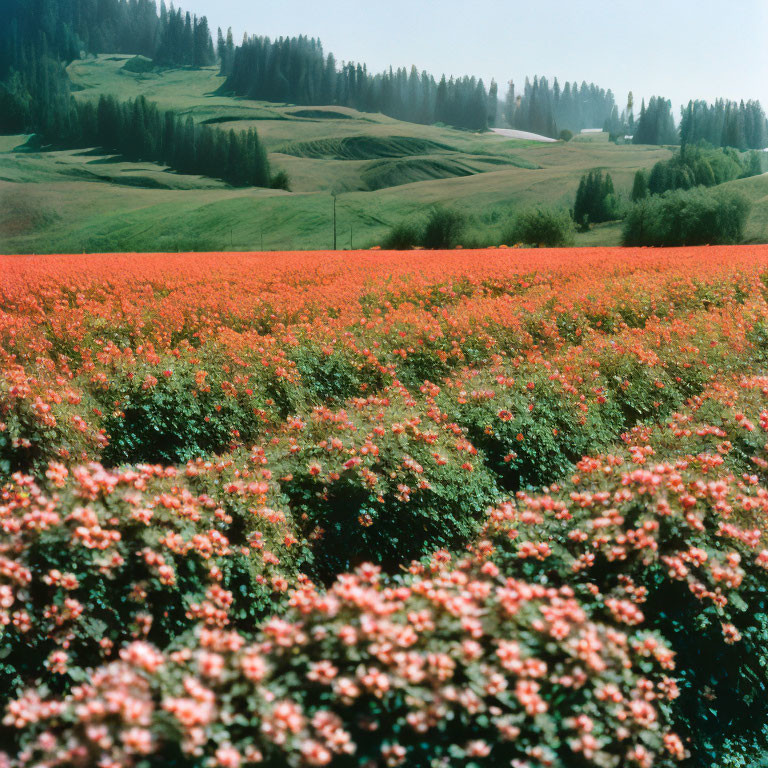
[{"x": 378, "y": 509}]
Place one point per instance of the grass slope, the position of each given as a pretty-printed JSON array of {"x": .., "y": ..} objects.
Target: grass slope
[{"x": 383, "y": 170}]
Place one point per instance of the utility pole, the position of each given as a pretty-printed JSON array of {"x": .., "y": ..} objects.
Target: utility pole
[{"x": 334, "y": 221}]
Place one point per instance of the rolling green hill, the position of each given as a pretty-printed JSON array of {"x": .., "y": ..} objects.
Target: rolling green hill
[{"x": 382, "y": 170}]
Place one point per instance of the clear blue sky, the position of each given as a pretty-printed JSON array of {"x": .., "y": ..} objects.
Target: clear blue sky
[{"x": 680, "y": 49}]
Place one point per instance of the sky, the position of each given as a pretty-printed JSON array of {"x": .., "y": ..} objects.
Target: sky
[{"x": 679, "y": 49}]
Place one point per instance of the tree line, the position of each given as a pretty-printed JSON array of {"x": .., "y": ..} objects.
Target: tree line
[
  {"x": 296, "y": 70},
  {"x": 39, "y": 37},
  {"x": 549, "y": 110},
  {"x": 66, "y": 28},
  {"x": 139, "y": 131},
  {"x": 725, "y": 124}
]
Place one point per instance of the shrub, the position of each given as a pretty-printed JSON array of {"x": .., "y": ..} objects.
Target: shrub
[
  {"x": 403, "y": 236},
  {"x": 670, "y": 551},
  {"x": 565, "y": 135},
  {"x": 139, "y": 65},
  {"x": 443, "y": 228},
  {"x": 693, "y": 217},
  {"x": 92, "y": 558},
  {"x": 280, "y": 180},
  {"x": 383, "y": 487},
  {"x": 455, "y": 664},
  {"x": 184, "y": 412},
  {"x": 699, "y": 165},
  {"x": 542, "y": 227}
]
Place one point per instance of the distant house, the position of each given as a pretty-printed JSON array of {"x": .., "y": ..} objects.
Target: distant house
[{"x": 591, "y": 130}]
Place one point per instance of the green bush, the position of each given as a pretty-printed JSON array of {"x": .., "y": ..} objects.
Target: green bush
[
  {"x": 700, "y": 165},
  {"x": 177, "y": 415},
  {"x": 443, "y": 228},
  {"x": 281, "y": 180},
  {"x": 135, "y": 553},
  {"x": 402, "y": 237},
  {"x": 688, "y": 217},
  {"x": 542, "y": 227},
  {"x": 139, "y": 65},
  {"x": 375, "y": 494}
]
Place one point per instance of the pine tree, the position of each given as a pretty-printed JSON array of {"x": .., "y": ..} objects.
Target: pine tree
[
  {"x": 493, "y": 103},
  {"x": 640, "y": 186},
  {"x": 510, "y": 105}
]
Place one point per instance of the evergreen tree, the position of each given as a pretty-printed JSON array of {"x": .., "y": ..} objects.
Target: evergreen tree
[
  {"x": 640, "y": 186},
  {"x": 510, "y": 105},
  {"x": 493, "y": 103},
  {"x": 595, "y": 199},
  {"x": 295, "y": 70}
]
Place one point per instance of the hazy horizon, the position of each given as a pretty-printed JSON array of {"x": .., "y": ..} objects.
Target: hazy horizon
[{"x": 694, "y": 50}]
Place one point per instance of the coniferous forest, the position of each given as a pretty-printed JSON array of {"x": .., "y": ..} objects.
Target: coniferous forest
[{"x": 41, "y": 36}]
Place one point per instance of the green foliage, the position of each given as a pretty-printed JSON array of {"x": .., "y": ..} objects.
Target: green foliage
[
  {"x": 656, "y": 124},
  {"x": 443, "y": 228},
  {"x": 139, "y": 65},
  {"x": 565, "y": 135},
  {"x": 307, "y": 76},
  {"x": 694, "y": 166},
  {"x": 753, "y": 166},
  {"x": 177, "y": 416},
  {"x": 542, "y": 227},
  {"x": 687, "y": 217},
  {"x": 725, "y": 124},
  {"x": 333, "y": 377},
  {"x": 281, "y": 180},
  {"x": 403, "y": 236},
  {"x": 640, "y": 186},
  {"x": 596, "y": 200}
]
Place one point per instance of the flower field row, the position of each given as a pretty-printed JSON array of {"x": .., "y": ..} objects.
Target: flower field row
[{"x": 381, "y": 511}]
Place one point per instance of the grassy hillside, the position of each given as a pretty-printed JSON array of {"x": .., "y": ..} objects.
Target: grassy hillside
[{"x": 382, "y": 170}]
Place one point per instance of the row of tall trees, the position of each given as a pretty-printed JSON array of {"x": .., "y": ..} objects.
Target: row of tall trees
[
  {"x": 183, "y": 40},
  {"x": 741, "y": 125},
  {"x": 139, "y": 131},
  {"x": 38, "y": 37},
  {"x": 595, "y": 200},
  {"x": 297, "y": 70},
  {"x": 725, "y": 124},
  {"x": 656, "y": 124},
  {"x": 66, "y": 28},
  {"x": 547, "y": 110}
]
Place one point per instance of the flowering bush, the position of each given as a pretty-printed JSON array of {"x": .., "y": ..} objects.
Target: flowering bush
[
  {"x": 676, "y": 545},
  {"x": 99, "y": 557},
  {"x": 454, "y": 663},
  {"x": 197, "y": 452}
]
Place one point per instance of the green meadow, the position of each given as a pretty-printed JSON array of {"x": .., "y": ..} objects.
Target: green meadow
[{"x": 381, "y": 171}]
